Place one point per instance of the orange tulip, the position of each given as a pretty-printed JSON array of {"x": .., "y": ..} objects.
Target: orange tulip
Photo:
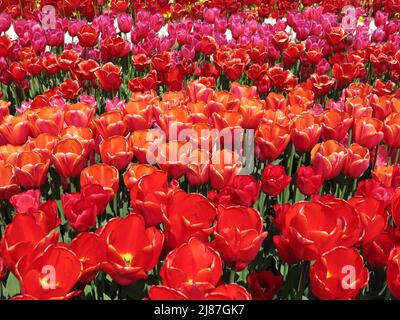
[
  {"x": 42, "y": 144},
  {"x": 197, "y": 171},
  {"x": 382, "y": 106},
  {"x": 135, "y": 172},
  {"x": 224, "y": 167},
  {"x": 357, "y": 161},
  {"x": 305, "y": 132},
  {"x": 103, "y": 174},
  {"x": 78, "y": 114},
  {"x": 172, "y": 120},
  {"x": 8, "y": 182},
  {"x": 197, "y": 112},
  {"x": 144, "y": 143},
  {"x": 383, "y": 174},
  {"x": 110, "y": 124},
  {"x": 300, "y": 100},
  {"x": 69, "y": 157},
  {"x": 115, "y": 151},
  {"x": 83, "y": 134},
  {"x": 271, "y": 141},
  {"x": 9, "y": 153},
  {"x": 15, "y": 129},
  {"x": 328, "y": 158},
  {"x": 368, "y": 131},
  {"x": 335, "y": 124},
  {"x": 31, "y": 169},
  {"x": 173, "y": 157},
  {"x": 252, "y": 111},
  {"x": 276, "y": 101},
  {"x": 138, "y": 115},
  {"x": 391, "y": 130},
  {"x": 46, "y": 120}
]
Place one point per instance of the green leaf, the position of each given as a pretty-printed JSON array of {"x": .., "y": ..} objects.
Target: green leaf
[{"x": 12, "y": 286}]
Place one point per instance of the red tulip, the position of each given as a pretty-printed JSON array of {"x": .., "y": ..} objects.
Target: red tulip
[
  {"x": 393, "y": 271},
  {"x": 24, "y": 201},
  {"x": 308, "y": 180},
  {"x": 264, "y": 285},
  {"x": 91, "y": 250},
  {"x": 238, "y": 235},
  {"x": 188, "y": 215},
  {"x": 133, "y": 249},
  {"x": 51, "y": 275},
  {"x": 328, "y": 158},
  {"x": 357, "y": 161},
  {"x": 87, "y": 36},
  {"x": 338, "y": 274},
  {"x": 192, "y": 263},
  {"x": 274, "y": 179},
  {"x": 109, "y": 77}
]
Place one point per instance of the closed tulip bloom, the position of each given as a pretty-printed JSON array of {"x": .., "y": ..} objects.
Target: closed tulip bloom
[
  {"x": 8, "y": 182},
  {"x": 46, "y": 120},
  {"x": 144, "y": 144},
  {"x": 173, "y": 157},
  {"x": 133, "y": 249},
  {"x": 368, "y": 131},
  {"x": 69, "y": 157},
  {"x": 374, "y": 216},
  {"x": 110, "y": 124},
  {"x": 78, "y": 114},
  {"x": 271, "y": 141},
  {"x": 80, "y": 213},
  {"x": 51, "y": 275},
  {"x": 88, "y": 36},
  {"x": 252, "y": 111},
  {"x": 274, "y": 179},
  {"x": 305, "y": 132},
  {"x": 15, "y": 129},
  {"x": 225, "y": 165},
  {"x": 115, "y": 152},
  {"x": 328, "y": 158},
  {"x": 339, "y": 274},
  {"x": 264, "y": 284},
  {"x": 198, "y": 168},
  {"x": 238, "y": 235},
  {"x": 31, "y": 169},
  {"x": 25, "y": 201},
  {"x": 357, "y": 161},
  {"x": 383, "y": 174},
  {"x": 377, "y": 251},
  {"x": 138, "y": 115},
  {"x": 103, "y": 174},
  {"x": 43, "y": 144},
  {"x": 192, "y": 263},
  {"x": 391, "y": 130},
  {"x": 308, "y": 180},
  {"x": 188, "y": 215},
  {"x": 109, "y": 77},
  {"x": 135, "y": 172},
  {"x": 335, "y": 125},
  {"x": 83, "y": 134},
  {"x": 149, "y": 195}
]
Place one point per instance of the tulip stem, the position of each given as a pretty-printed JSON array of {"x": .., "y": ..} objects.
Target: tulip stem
[
  {"x": 232, "y": 274},
  {"x": 302, "y": 280},
  {"x": 396, "y": 159}
]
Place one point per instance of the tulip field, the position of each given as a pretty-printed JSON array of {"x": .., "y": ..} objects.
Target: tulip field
[{"x": 199, "y": 150}]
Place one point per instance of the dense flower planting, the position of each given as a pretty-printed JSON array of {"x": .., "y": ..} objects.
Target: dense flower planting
[{"x": 216, "y": 149}]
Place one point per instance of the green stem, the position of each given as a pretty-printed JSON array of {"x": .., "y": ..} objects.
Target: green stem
[
  {"x": 232, "y": 274},
  {"x": 303, "y": 279}
]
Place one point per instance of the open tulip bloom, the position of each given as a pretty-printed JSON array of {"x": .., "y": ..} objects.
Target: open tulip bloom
[{"x": 200, "y": 150}]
